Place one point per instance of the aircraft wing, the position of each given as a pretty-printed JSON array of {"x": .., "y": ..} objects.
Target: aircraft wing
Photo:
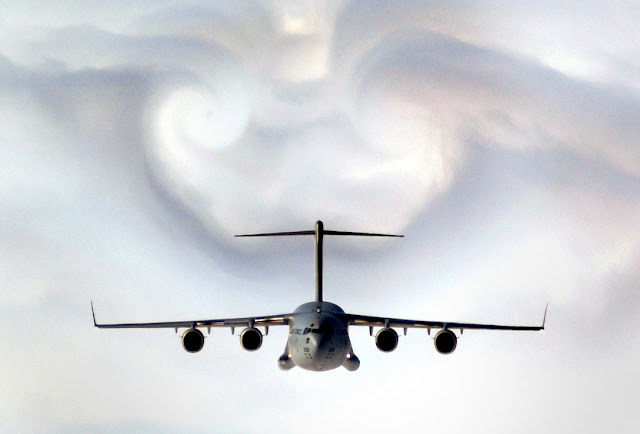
[
  {"x": 268, "y": 320},
  {"x": 379, "y": 321}
]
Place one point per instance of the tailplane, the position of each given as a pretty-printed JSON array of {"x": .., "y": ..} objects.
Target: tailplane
[{"x": 319, "y": 232}]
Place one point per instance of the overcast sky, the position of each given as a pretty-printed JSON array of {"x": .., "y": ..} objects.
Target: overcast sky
[{"x": 137, "y": 137}]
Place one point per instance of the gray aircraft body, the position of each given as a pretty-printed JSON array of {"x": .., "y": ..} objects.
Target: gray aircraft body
[{"x": 318, "y": 331}]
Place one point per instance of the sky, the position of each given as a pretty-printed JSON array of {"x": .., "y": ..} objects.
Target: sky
[{"x": 502, "y": 140}]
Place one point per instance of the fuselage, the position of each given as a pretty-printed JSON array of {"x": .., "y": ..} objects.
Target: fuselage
[{"x": 318, "y": 339}]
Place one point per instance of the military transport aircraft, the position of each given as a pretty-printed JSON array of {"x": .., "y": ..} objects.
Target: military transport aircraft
[{"x": 319, "y": 330}]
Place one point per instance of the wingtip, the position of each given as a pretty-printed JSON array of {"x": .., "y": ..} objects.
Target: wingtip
[
  {"x": 94, "y": 315},
  {"x": 544, "y": 318}
]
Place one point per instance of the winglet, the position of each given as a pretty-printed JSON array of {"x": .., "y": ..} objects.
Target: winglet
[
  {"x": 94, "y": 315},
  {"x": 544, "y": 318}
]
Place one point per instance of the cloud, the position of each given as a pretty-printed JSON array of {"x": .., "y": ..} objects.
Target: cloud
[
  {"x": 136, "y": 140},
  {"x": 389, "y": 129},
  {"x": 407, "y": 116}
]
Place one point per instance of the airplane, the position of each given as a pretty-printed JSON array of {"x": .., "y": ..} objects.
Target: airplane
[{"x": 318, "y": 330}]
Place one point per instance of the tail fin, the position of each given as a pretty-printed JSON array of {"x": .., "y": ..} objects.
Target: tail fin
[{"x": 319, "y": 232}]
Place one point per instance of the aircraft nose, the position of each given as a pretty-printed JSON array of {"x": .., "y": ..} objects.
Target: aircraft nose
[{"x": 317, "y": 343}]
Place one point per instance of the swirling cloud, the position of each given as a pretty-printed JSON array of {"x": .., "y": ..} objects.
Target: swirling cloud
[
  {"x": 502, "y": 139},
  {"x": 367, "y": 121}
]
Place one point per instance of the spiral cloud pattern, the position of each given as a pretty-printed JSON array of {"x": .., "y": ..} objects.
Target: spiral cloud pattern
[
  {"x": 254, "y": 115},
  {"x": 138, "y": 136}
]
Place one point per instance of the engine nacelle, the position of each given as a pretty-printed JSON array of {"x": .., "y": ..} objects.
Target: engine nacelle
[
  {"x": 386, "y": 339},
  {"x": 445, "y": 341},
  {"x": 192, "y": 340},
  {"x": 251, "y": 339}
]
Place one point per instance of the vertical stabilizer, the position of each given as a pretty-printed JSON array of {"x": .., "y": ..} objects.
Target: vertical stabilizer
[{"x": 319, "y": 236}]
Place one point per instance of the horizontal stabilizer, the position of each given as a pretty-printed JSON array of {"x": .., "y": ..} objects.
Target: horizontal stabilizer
[
  {"x": 319, "y": 233},
  {"x": 321, "y": 230},
  {"x": 361, "y": 234},
  {"x": 277, "y": 234}
]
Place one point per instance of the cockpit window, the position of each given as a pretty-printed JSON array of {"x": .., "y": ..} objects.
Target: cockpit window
[{"x": 321, "y": 330}]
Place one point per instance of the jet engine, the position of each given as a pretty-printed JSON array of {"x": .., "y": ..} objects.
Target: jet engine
[
  {"x": 445, "y": 341},
  {"x": 251, "y": 339},
  {"x": 192, "y": 340},
  {"x": 386, "y": 339}
]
